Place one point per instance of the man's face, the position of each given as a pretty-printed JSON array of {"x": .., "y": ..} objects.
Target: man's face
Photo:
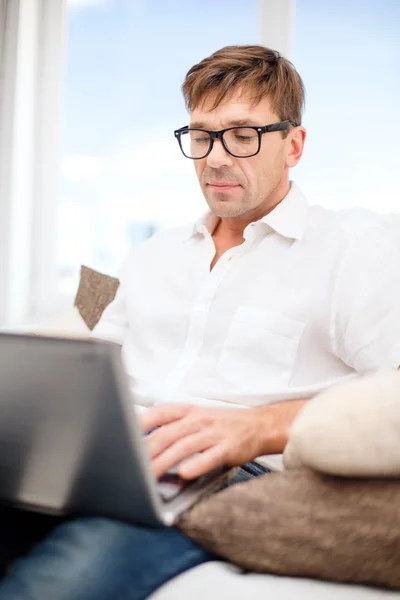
[{"x": 234, "y": 187}]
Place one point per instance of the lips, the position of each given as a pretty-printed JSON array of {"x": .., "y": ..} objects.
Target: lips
[{"x": 222, "y": 184}]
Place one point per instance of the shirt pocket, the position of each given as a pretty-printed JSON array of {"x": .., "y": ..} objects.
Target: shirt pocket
[{"x": 260, "y": 349}]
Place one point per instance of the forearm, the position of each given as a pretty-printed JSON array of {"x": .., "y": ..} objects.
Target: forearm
[{"x": 276, "y": 420}]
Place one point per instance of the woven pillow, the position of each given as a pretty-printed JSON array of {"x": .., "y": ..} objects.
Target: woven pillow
[
  {"x": 95, "y": 292},
  {"x": 352, "y": 429},
  {"x": 303, "y": 523}
]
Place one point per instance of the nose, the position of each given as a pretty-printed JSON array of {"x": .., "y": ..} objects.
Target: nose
[{"x": 218, "y": 156}]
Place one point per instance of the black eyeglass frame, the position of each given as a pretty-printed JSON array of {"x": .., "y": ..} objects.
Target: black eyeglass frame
[{"x": 219, "y": 135}]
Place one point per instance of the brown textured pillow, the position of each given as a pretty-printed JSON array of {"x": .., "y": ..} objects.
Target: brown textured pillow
[
  {"x": 304, "y": 523},
  {"x": 95, "y": 292}
]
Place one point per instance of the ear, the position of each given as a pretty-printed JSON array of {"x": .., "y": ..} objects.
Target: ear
[{"x": 295, "y": 140}]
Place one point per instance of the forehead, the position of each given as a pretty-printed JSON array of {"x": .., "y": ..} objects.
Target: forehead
[{"x": 236, "y": 107}]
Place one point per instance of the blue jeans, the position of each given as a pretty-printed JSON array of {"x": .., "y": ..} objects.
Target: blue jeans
[{"x": 101, "y": 559}]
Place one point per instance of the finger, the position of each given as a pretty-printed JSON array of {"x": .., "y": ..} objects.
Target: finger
[
  {"x": 162, "y": 438},
  {"x": 179, "y": 451},
  {"x": 161, "y": 415},
  {"x": 203, "y": 463}
]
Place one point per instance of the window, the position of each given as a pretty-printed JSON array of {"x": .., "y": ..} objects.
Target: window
[
  {"x": 122, "y": 173},
  {"x": 348, "y": 54}
]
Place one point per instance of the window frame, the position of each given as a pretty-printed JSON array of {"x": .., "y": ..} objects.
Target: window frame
[{"x": 30, "y": 109}]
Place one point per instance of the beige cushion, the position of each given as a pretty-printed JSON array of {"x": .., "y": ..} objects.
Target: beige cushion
[
  {"x": 95, "y": 292},
  {"x": 353, "y": 429},
  {"x": 303, "y": 523}
]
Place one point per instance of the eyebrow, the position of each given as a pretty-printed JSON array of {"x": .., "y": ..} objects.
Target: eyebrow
[{"x": 233, "y": 123}]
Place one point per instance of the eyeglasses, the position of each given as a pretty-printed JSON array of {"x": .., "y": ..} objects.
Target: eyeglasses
[{"x": 240, "y": 142}]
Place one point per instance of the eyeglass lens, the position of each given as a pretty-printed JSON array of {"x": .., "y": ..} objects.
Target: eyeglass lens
[{"x": 242, "y": 141}]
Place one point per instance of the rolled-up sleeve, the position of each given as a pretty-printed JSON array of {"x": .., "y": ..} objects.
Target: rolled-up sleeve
[{"x": 365, "y": 317}]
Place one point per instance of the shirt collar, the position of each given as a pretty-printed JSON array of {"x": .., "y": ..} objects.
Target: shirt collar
[
  {"x": 288, "y": 218},
  {"x": 205, "y": 225}
]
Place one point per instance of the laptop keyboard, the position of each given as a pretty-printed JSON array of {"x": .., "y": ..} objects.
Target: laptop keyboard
[{"x": 170, "y": 485}]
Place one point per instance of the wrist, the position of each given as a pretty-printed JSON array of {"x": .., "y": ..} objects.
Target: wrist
[{"x": 274, "y": 423}]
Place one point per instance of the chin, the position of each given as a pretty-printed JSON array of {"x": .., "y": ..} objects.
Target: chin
[
  {"x": 228, "y": 212},
  {"x": 226, "y": 209}
]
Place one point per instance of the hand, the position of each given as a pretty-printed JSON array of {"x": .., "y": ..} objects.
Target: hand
[{"x": 223, "y": 437}]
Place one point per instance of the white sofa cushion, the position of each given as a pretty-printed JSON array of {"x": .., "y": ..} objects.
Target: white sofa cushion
[
  {"x": 352, "y": 429},
  {"x": 222, "y": 581},
  {"x": 67, "y": 324}
]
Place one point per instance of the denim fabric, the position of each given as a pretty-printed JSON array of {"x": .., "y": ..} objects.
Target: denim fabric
[
  {"x": 254, "y": 469},
  {"x": 19, "y": 530},
  {"x": 101, "y": 559}
]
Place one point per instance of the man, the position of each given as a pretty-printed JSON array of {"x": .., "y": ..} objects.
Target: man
[{"x": 265, "y": 299}]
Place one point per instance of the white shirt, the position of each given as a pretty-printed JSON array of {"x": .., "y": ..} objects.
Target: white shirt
[{"x": 312, "y": 296}]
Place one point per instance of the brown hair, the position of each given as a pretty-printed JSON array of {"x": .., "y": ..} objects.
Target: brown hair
[{"x": 262, "y": 70}]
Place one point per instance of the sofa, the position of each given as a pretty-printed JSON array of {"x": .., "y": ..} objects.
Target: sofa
[
  {"x": 222, "y": 581},
  {"x": 215, "y": 580}
]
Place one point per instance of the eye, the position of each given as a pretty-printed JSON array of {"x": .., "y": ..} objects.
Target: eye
[
  {"x": 244, "y": 136},
  {"x": 200, "y": 138}
]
